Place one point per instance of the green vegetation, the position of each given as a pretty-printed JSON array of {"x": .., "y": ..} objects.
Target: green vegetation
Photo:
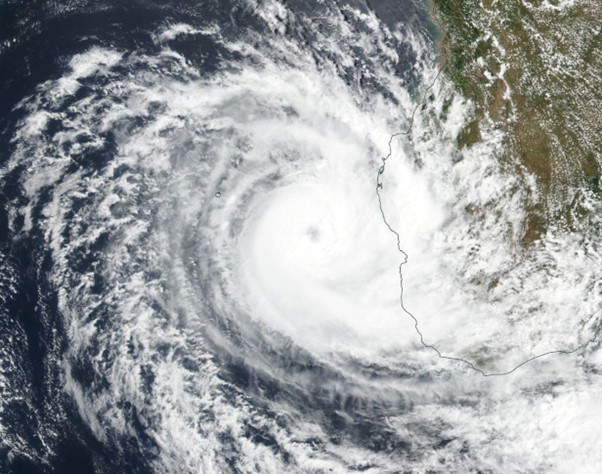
[{"x": 535, "y": 72}]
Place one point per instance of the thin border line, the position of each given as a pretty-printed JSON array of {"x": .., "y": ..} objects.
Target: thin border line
[{"x": 379, "y": 186}]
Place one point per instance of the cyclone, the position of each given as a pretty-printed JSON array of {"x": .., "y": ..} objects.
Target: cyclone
[{"x": 260, "y": 249}]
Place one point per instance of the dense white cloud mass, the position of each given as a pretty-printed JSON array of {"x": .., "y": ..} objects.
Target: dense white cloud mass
[{"x": 196, "y": 217}]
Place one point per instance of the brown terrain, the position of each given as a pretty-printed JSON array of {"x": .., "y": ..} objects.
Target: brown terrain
[{"x": 534, "y": 69}]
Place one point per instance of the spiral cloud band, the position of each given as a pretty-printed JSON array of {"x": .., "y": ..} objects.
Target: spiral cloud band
[{"x": 229, "y": 288}]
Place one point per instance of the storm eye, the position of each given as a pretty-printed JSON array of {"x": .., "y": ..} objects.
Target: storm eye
[
  {"x": 281, "y": 239},
  {"x": 313, "y": 233}
]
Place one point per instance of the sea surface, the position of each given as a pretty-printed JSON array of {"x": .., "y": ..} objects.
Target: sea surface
[{"x": 206, "y": 265}]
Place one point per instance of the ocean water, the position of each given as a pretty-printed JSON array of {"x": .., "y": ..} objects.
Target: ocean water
[{"x": 208, "y": 267}]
